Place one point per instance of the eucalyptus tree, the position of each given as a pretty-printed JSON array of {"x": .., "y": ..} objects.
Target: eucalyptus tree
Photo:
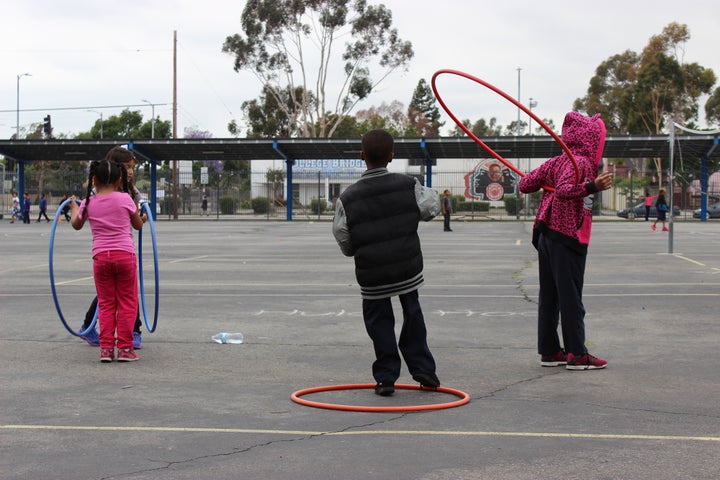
[
  {"x": 640, "y": 93},
  {"x": 295, "y": 46}
]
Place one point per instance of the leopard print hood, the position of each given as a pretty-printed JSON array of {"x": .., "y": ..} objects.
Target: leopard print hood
[{"x": 584, "y": 136}]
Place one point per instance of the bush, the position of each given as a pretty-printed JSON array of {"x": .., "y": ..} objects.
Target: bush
[
  {"x": 473, "y": 207},
  {"x": 260, "y": 205},
  {"x": 227, "y": 204},
  {"x": 511, "y": 204},
  {"x": 314, "y": 205}
]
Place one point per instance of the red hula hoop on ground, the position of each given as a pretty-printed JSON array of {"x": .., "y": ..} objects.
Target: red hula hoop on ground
[
  {"x": 295, "y": 397},
  {"x": 514, "y": 102}
]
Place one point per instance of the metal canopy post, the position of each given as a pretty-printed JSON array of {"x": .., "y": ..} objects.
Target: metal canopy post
[
  {"x": 288, "y": 190},
  {"x": 428, "y": 163}
]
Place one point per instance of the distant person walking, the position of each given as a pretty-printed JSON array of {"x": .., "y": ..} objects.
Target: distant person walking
[
  {"x": 26, "y": 207},
  {"x": 446, "y": 210},
  {"x": 648, "y": 205},
  {"x": 15, "y": 208},
  {"x": 204, "y": 205},
  {"x": 662, "y": 207},
  {"x": 43, "y": 208}
]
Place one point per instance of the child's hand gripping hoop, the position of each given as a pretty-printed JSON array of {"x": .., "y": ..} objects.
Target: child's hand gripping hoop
[{"x": 514, "y": 102}]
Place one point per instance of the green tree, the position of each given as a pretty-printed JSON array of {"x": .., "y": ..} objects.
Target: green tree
[
  {"x": 127, "y": 125},
  {"x": 641, "y": 93},
  {"x": 481, "y": 128},
  {"x": 268, "y": 118},
  {"x": 637, "y": 93},
  {"x": 712, "y": 108},
  {"x": 273, "y": 47},
  {"x": 423, "y": 113}
]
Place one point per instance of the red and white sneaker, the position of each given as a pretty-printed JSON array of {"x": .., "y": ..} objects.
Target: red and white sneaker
[
  {"x": 127, "y": 355},
  {"x": 107, "y": 355},
  {"x": 584, "y": 362},
  {"x": 560, "y": 358}
]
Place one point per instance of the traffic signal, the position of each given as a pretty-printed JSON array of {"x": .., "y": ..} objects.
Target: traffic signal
[{"x": 47, "y": 127}]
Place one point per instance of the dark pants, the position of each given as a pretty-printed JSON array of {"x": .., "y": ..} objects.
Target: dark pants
[
  {"x": 90, "y": 314},
  {"x": 562, "y": 271},
  {"x": 446, "y": 221},
  {"x": 41, "y": 214},
  {"x": 380, "y": 325},
  {"x": 647, "y": 212}
]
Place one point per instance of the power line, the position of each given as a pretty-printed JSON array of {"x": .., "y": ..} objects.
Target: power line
[{"x": 79, "y": 108}]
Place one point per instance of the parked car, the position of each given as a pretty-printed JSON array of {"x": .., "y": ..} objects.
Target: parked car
[
  {"x": 639, "y": 210},
  {"x": 713, "y": 211}
]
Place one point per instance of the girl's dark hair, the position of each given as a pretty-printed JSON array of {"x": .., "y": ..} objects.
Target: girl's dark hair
[
  {"x": 122, "y": 156},
  {"x": 105, "y": 172}
]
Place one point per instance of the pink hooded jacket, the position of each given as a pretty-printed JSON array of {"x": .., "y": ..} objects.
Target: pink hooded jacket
[{"x": 566, "y": 214}]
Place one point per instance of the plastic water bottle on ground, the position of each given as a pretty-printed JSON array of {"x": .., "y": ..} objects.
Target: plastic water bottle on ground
[{"x": 224, "y": 337}]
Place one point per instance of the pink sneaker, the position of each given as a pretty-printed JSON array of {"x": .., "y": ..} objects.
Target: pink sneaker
[
  {"x": 652, "y": 226},
  {"x": 665, "y": 229},
  {"x": 560, "y": 358},
  {"x": 584, "y": 362},
  {"x": 107, "y": 355},
  {"x": 127, "y": 355}
]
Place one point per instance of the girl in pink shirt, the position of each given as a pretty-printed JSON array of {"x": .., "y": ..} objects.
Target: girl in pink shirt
[{"x": 113, "y": 252}]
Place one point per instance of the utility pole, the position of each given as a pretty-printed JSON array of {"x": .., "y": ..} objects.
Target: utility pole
[{"x": 174, "y": 122}]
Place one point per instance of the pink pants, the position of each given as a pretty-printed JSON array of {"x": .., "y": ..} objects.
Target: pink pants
[{"x": 117, "y": 291}]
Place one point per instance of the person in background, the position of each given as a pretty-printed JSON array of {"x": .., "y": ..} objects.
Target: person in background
[
  {"x": 648, "y": 205},
  {"x": 204, "y": 204},
  {"x": 43, "y": 208},
  {"x": 15, "y": 207},
  {"x": 561, "y": 235},
  {"x": 112, "y": 214},
  {"x": 26, "y": 208},
  {"x": 385, "y": 245},
  {"x": 662, "y": 207},
  {"x": 446, "y": 210},
  {"x": 66, "y": 209}
]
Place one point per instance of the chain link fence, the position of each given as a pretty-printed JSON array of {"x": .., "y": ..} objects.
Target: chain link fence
[{"x": 242, "y": 195}]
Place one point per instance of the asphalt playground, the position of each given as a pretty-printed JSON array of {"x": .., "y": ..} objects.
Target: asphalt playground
[{"x": 194, "y": 409}]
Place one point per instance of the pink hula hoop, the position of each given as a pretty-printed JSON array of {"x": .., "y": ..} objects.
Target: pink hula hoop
[{"x": 514, "y": 102}]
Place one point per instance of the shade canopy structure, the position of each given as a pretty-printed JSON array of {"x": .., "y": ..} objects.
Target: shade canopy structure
[{"x": 420, "y": 151}]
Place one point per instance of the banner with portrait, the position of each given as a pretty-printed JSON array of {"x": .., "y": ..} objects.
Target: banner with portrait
[{"x": 490, "y": 180}]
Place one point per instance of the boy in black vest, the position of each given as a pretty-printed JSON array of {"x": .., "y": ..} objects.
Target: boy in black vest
[{"x": 376, "y": 222}]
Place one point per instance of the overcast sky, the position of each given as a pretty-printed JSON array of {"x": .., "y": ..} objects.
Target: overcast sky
[{"x": 92, "y": 54}]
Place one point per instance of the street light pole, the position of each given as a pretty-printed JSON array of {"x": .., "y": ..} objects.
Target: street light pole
[
  {"x": 101, "y": 122},
  {"x": 152, "y": 121},
  {"x": 17, "y": 117},
  {"x": 532, "y": 103}
]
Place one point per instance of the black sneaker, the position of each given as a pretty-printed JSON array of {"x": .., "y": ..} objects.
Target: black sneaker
[
  {"x": 427, "y": 380},
  {"x": 384, "y": 389}
]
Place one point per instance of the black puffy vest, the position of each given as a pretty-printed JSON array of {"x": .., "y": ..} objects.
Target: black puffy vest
[{"x": 382, "y": 217}]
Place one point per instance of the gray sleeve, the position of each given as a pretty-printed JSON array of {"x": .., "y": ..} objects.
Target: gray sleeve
[
  {"x": 341, "y": 231},
  {"x": 428, "y": 201}
]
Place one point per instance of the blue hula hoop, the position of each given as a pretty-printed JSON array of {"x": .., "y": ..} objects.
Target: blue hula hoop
[
  {"x": 52, "y": 277},
  {"x": 153, "y": 237}
]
